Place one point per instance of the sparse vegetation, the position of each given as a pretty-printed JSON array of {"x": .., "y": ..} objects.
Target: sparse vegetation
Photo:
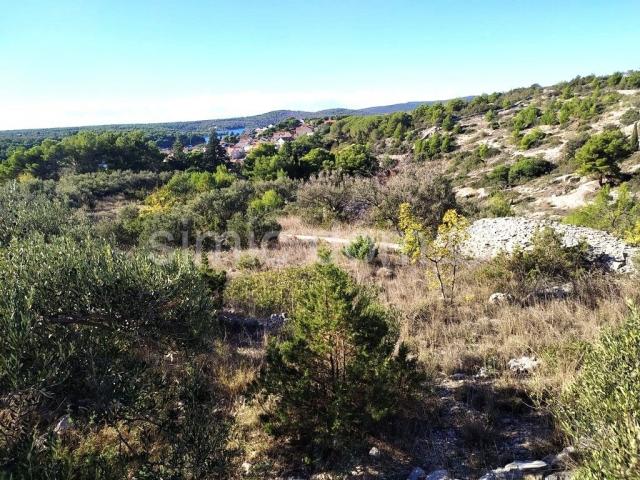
[{"x": 156, "y": 324}]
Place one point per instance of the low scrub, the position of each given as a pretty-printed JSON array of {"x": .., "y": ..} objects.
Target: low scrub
[
  {"x": 548, "y": 262},
  {"x": 264, "y": 293},
  {"x": 532, "y": 139},
  {"x": 619, "y": 216},
  {"x": 523, "y": 170},
  {"x": 599, "y": 412},
  {"x": 103, "y": 371},
  {"x": 362, "y": 248}
]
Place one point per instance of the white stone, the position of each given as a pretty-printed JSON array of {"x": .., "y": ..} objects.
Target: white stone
[
  {"x": 523, "y": 365},
  {"x": 499, "y": 298},
  {"x": 374, "y": 452},
  {"x": 63, "y": 425},
  {"x": 490, "y": 236},
  {"x": 246, "y": 468},
  {"x": 525, "y": 466}
]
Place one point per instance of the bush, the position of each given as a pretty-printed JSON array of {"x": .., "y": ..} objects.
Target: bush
[
  {"x": 98, "y": 355},
  {"x": 526, "y": 169},
  {"x": 248, "y": 262},
  {"x": 532, "y": 139},
  {"x": 25, "y": 212},
  {"x": 499, "y": 206},
  {"x": 362, "y": 248},
  {"x": 432, "y": 146},
  {"x": 333, "y": 376},
  {"x": 630, "y": 116},
  {"x": 572, "y": 145},
  {"x": 600, "y": 410},
  {"x": 525, "y": 118},
  {"x": 618, "y": 216},
  {"x": 547, "y": 263},
  {"x": 600, "y": 155},
  {"x": 264, "y": 293},
  {"x": 430, "y": 193},
  {"x": 191, "y": 203},
  {"x": 331, "y": 196},
  {"x": 87, "y": 188},
  {"x": 499, "y": 176},
  {"x": 523, "y": 170}
]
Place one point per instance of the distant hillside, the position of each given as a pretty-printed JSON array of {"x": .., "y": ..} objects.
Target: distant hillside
[{"x": 204, "y": 126}]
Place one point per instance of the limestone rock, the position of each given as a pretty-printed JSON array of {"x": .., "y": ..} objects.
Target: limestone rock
[
  {"x": 489, "y": 236},
  {"x": 499, "y": 298},
  {"x": 63, "y": 425},
  {"x": 523, "y": 365},
  {"x": 246, "y": 468}
]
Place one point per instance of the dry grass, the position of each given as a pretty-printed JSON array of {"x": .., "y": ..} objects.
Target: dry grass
[
  {"x": 292, "y": 225},
  {"x": 474, "y": 335}
]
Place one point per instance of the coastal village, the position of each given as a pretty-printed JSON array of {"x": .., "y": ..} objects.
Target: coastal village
[{"x": 239, "y": 142}]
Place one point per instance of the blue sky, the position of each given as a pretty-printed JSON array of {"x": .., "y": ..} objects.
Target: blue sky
[{"x": 69, "y": 62}]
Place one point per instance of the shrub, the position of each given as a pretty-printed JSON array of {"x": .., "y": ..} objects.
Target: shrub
[
  {"x": 268, "y": 203},
  {"x": 499, "y": 206},
  {"x": 572, "y": 145},
  {"x": 97, "y": 355},
  {"x": 192, "y": 204},
  {"x": 25, "y": 212},
  {"x": 264, "y": 293},
  {"x": 430, "y": 193},
  {"x": 87, "y": 188},
  {"x": 331, "y": 196},
  {"x": 546, "y": 263},
  {"x": 362, "y": 248},
  {"x": 525, "y": 169},
  {"x": 432, "y": 146},
  {"x": 525, "y": 118},
  {"x": 248, "y": 262},
  {"x": 532, "y": 139},
  {"x": 499, "y": 176},
  {"x": 618, "y": 216},
  {"x": 333, "y": 376},
  {"x": 600, "y": 410},
  {"x": 484, "y": 151},
  {"x": 630, "y": 116}
]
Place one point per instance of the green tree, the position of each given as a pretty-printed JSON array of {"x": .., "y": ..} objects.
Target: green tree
[
  {"x": 214, "y": 153},
  {"x": 178, "y": 157},
  {"x": 262, "y": 162},
  {"x": 318, "y": 159},
  {"x": 333, "y": 374},
  {"x": 602, "y": 153},
  {"x": 356, "y": 159}
]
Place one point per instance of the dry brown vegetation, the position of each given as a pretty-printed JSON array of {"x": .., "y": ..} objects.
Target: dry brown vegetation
[{"x": 483, "y": 411}]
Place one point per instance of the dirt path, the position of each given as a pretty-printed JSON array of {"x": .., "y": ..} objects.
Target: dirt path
[{"x": 335, "y": 241}]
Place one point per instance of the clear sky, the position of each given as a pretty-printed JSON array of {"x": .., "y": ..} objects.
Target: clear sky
[{"x": 74, "y": 62}]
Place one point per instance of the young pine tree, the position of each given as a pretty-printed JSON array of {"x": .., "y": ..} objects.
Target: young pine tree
[
  {"x": 333, "y": 375},
  {"x": 214, "y": 153}
]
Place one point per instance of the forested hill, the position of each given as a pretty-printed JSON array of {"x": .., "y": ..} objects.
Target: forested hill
[{"x": 204, "y": 126}]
